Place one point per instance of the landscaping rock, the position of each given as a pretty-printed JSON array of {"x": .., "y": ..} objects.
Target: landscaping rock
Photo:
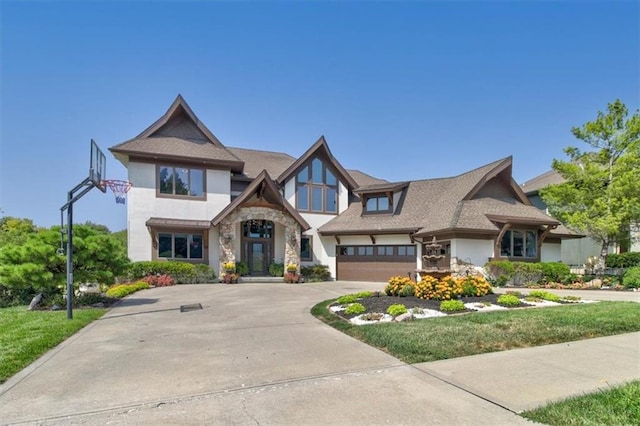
[
  {"x": 35, "y": 301},
  {"x": 408, "y": 316},
  {"x": 56, "y": 308}
]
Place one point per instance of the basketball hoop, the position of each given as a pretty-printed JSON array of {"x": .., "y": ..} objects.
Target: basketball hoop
[{"x": 119, "y": 188}]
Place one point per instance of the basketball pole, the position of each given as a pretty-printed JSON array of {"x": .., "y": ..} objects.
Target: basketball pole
[{"x": 86, "y": 186}]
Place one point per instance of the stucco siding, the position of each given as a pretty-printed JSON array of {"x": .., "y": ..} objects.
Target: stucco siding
[
  {"x": 476, "y": 252},
  {"x": 143, "y": 204},
  {"x": 551, "y": 252}
]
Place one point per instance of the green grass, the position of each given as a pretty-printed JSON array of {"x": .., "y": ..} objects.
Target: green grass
[
  {"x": 451, "y": 337},
  {"x": 26, "y": 335},
  {"x": 616, "y": 406}
]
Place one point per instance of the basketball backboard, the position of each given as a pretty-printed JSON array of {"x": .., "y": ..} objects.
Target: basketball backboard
[{"x": 98, "y": 167}]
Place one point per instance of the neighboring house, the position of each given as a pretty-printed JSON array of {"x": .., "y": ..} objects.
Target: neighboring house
[
  {"x": 196, "y": 200},
  {"x": 574, "y": 251}
]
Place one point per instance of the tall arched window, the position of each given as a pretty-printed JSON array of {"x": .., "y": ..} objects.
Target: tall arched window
[{"x": 317, "y": 188}]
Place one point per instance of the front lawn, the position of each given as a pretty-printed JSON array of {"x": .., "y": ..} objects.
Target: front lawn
[
  {"x": 616, "y": 406},
  {"x": 26, "y": 335},
  {"x": 475, "y": 333}
]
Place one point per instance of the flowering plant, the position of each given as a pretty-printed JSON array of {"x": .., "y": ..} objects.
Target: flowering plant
[
  {"x": 229, "y": 266},
  {"x": 292, "y": 267}
]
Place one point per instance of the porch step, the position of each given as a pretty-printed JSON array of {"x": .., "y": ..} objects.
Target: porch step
[{"x": 265, "y": 280}]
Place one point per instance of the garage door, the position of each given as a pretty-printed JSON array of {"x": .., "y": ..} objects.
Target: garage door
[{"x": 374, "y": 262}]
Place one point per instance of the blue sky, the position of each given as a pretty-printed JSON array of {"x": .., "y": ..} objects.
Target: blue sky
[{"x": 401, "y": 90}]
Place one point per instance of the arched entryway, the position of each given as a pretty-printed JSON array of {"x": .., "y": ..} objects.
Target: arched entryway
[{"x": 257, "y": 245}]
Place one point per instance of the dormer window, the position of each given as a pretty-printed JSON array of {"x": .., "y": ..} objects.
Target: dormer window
[
  {"x": 378, "y": 204},
  {"x": 317, "y": 188}
]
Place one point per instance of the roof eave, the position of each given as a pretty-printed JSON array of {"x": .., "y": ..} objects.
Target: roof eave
[{"x": 235, "y": 166}]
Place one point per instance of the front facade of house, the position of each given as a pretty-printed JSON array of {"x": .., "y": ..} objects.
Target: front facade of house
[{"x": 194, "y": 199}]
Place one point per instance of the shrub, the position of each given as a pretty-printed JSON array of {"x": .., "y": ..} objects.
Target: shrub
[
  {"x": 396, "y": 309},
  {"x": 631, "y": 278},
  {"x": 242, "y": 268},
  {"x": 417, "y": 310},
  {"x": 88, "y": 299},
  {"x": 355, "y": 309},
  {"x": 407, "y": 291},
  {"x": 121, "y": 290},
  {"x": 159, "y": 280},
  {"x": 554, "y": 272},
  {"x": 450, "y": 287},
  {"x": 508, "y": 300},
  {"x": 501, "y": 271},
  {"x": 396, "y": 284},
  {"x": 181, "y": 272},
  {"x": 544, "y": 295},
  {"x": 451, "y": 306},
  {"x": 315, "y": 273},
  {"x": 364, "y": 294},
  {"x": 347, "y": 298},
  {"x": 515, "y": 273},
  {"x": 276, "y": 269},
  {"x": 623, "y": 260}
]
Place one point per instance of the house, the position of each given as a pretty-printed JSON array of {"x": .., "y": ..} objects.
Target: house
[
  {"x": 574, "y": 251},
  {"x": 197, "y": 200}
]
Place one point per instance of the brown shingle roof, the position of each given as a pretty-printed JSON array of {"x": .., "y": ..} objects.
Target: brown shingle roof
[
  {"x": 363, "y": 179},
  {"x": 428, "y": 203},
  {"x": 537, "y": 183},
  {"x": 179, "y": 149},
  {"x": 255, "y": 161}
]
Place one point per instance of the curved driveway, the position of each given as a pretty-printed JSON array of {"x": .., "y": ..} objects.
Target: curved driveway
[{"x": 252, "y": 355}]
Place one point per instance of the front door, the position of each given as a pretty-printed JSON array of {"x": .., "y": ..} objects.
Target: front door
[
  {"x": 257, "y": 247},
  {"x": 257, "y": 258}
]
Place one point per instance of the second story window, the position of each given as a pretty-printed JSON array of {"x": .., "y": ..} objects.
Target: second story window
[
  {"x": 180, "y": 181},
  {"x": 378, "y": 204},
  {"x": 317, "y": 188}
]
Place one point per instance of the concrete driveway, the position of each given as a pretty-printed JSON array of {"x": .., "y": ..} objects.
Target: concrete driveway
[{"x": 252, "y": 355}]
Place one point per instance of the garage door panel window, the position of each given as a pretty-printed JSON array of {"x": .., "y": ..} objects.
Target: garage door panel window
[{"x": 373, "y": 253}]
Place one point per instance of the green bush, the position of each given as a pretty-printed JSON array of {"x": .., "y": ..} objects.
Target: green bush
[
  {"x": 364, "y": 294},
  {"x": 631, "y": 278},
  {"x": 181, "y": 272},
  {"x": 355, "y": 309},
  {"x": 121, "y": 290},
  {"x": 623, "y": 260},
  {"x": 242, "y": 268},
  {"x": 315, "y": 273},
  {"x": 396, "y": 309},
  {"x": 407, "y": 291},
  {"x": 276, "y": 269},
  {"x": 554, "y": 272},
  {"x": 505, "y": 272},
  {"x": 88, "y": 299},
  {"x": 508, "y": 300},
  {"x": 452, "y": 306},
  {"x": 347, "y": 298},
  {"x": 544, "y": 295}
]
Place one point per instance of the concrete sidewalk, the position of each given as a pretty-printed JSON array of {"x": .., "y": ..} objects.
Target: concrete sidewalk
[{"x": 254, "y": 354}]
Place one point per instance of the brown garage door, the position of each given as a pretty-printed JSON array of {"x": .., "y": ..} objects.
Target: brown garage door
[{"x": 374, "y": 262}]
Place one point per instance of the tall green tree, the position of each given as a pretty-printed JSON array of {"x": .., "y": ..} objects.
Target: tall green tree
[
  {"x": 15, "y": 230},
  {"x": 33, "y": 265},
  {"x": 600, "y": 195}
]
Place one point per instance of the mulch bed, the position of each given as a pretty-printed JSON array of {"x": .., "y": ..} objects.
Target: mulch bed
[{"x": 380, "y": 303}]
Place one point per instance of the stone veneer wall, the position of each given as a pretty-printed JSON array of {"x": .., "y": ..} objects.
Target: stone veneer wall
[{"x": 228, "y": 238}]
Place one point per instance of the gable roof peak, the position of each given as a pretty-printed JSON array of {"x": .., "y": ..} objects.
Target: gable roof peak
[{"x": 178, "y": 106}]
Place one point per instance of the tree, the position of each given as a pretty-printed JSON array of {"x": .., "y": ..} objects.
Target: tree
[
  {"x": 600, "y": 195},
  {"x": 33, "y": 265},
  {"x": 15, "y": 230}
]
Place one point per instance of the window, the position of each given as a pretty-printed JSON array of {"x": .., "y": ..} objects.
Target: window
[
  {"x": 306, "y": 253},
  {"x": 180, "y": 246},
  {"x": 181, "y": 181},
  {"x": 378, "y": 204},
  {"x": 257, "y": 229},
  {"x": 519, "y": 243},
  {"x": 317, "y": 188},
  {"x": 407, "y": 251}
]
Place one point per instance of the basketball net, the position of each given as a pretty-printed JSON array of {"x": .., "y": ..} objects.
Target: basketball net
[{"x": 119, "y": 188}]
